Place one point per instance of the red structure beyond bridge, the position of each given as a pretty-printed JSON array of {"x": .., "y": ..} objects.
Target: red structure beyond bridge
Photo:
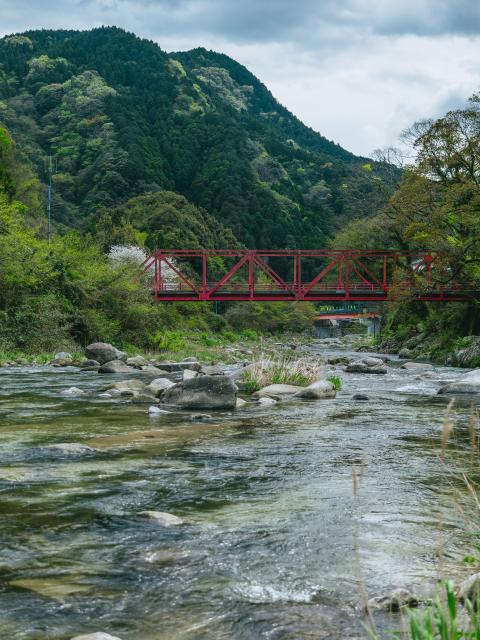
[{"x": 294, "y": 275}]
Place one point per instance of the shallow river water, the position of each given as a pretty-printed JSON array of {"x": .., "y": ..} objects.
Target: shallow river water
[{"x": 276, "y": 543}]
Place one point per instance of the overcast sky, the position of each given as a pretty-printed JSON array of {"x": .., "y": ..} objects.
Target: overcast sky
[{"x": 358, "y": 71}]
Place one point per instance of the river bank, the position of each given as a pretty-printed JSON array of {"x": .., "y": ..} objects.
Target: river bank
[{"x": 274, "y": 541}]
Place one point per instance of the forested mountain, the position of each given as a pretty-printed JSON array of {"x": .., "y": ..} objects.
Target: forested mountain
[{"x": 122, "y": 119}]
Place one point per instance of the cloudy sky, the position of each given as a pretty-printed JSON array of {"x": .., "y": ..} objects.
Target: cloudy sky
[{"x": 358, "y": 71}]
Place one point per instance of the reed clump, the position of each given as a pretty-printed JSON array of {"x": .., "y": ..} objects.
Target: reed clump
[{"x": 268, "y": 370}]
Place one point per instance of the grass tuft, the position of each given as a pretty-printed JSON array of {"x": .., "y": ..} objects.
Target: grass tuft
[{"x": 270, "y": 370}]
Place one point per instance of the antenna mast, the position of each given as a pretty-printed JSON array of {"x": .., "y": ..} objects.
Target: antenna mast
[{"x": 49, "y": 205}]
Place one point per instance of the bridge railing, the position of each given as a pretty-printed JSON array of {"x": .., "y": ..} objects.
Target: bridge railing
[{"x": 323, "y": 275}]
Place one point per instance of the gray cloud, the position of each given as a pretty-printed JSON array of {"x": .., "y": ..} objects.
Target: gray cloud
[{"x": 359, "y": 71}]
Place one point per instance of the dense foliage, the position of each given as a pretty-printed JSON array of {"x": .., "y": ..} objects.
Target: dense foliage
[
  {"x": 77, "y": 288},
  {"x": 121, "y": 119},
  {"x": 436, "y": 207}
]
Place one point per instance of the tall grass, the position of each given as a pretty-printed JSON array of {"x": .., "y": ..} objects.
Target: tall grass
[{"x": 270, "y": 370}]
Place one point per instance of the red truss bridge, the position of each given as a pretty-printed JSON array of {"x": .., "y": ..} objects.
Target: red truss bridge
[{"x": 295, "y": 275}]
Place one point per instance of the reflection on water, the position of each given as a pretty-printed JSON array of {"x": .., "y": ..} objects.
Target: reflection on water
[{"x": 275, "y": 544}]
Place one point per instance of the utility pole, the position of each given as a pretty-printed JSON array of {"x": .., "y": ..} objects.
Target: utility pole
[{"x": 49, "y": 205}]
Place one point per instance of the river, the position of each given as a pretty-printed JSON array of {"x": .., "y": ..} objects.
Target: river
[{"x": 276, "y": 543}]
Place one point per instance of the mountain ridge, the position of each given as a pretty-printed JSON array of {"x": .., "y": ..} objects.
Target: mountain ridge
[{"x": 123, "y": 118}]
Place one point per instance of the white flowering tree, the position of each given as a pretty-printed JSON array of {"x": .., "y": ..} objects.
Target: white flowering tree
[{"x": 129, "y": 254}]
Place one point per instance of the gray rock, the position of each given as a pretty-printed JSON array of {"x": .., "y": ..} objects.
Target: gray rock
[
  {"x": 62, "y": 362},
  {"x": 199, "y": 417},
  {"x": 98, "y": 635},
  {"x": 372, "y": 362},
  {"x": 163, "y": 518},
  {"x": 394, "y": 601},
  {"x": 405, "y": 353},
  {"x": 469, "y": 383},
  {"x": 137, "y": 362},
  {"x": 159, "y": 385},
  {"x": 360, "y": 396},
  {"x": 317, "y": 391},
  {"x": 104, "y": 352},
  {"x": 203, "y": 392},
  {"x": 188, "y": 374},
  {"x": 469, "y": 589},
  {"x": 237, "y": 374},
  {"x": 278, "y": 390},
  {"x": 129, "y": 387},
  {"x": 240, "y": 403},
  {"x": 72, "y": 392},
  {"x": 63, "y": 355},
  {"x": 170, "y": 367},
  {"x": 114, "y": 366},
  {"x": 367, "y": 365},
  {"x": 190, "y": 359},
  {"x": 213, "y": 370},
  {"x": 150, "y": 368},
  {"x": 266, "y": 401},
  {"x": 89, "y": 365},
  {"x": 416, "y": 366}
]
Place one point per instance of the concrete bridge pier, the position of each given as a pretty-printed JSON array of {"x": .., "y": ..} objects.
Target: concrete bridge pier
[{"x": 373, "y": 326}]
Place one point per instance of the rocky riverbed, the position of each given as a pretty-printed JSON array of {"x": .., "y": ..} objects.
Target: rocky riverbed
[{"x": 130, "y": 511}]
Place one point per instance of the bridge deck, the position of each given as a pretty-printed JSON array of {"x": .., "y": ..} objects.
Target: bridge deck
[{"x": 279, "y": 275}]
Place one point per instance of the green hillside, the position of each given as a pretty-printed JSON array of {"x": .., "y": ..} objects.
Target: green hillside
[{"x": 121, "y": 119}]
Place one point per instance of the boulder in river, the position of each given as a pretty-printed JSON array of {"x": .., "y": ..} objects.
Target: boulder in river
[
  {"x": 362, "y": 397},
  {"x": 103, "y": 352},
  {"x": 159, "y": 385},
  {"x": 367, "y": 365},
  {"x": 469, "y": 383},
  {"x": 394, "y": 601},
  {"x": 188, "y": 374},
  {"x": 416, "y": 366},
  {"x": 238, "y": 373},
  {"x": 137, "y": 361},
  {"x": 62, "y": 359},
  {"x": 89, "y": 365},
  {"x": 114, "y": 366},
  {"x": 277, "y": 390},
  {"x": 129, "y": 387},
  {"x": 63, "y": 355},
  {"x": 240, "y": 403},
  {"x": 170, "y": 367},
  {"x": 98, "y": 635},
  {"x": 203, "y": 392},
  {"x": 163, "y": 518},
  {"x": 62, "y": 362},
  {"x": 212, "y": 370},
  {"x": 266, "y": 401},
  {"x": 469, "y": 589},
  {"x": 72, "y": 392},
  {"x": 317, "y": 390}
]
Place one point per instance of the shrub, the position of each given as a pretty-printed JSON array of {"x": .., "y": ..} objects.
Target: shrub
[{"x": 169, "y": 340}]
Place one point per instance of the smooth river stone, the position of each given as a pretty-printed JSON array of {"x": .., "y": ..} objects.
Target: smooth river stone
[
  {"x": 317, "y": 391},
  {"x": 163, "y": 518},
  {"x": 98, "y": 635},
  {"x": 469, "y": 383},
  {"x": 278, "y": 390},
  {"x": 54, "y": 588}
]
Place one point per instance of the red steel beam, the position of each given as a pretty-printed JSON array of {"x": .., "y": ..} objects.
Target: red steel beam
[{"x": 345, "y": 277}]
